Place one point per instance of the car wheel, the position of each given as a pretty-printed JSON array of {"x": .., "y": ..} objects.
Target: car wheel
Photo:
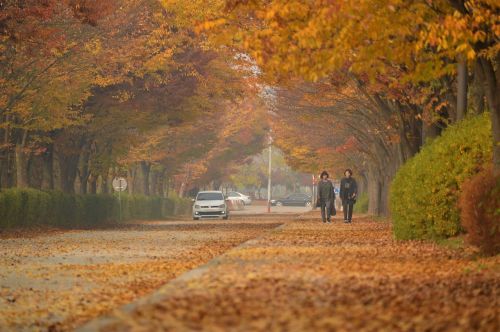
[
  {"x": 308, "y": 204},
  {"x": 225, "y": 218},
  {"x": 194, "y": 218},
  {"x": 279, "y": 204}
]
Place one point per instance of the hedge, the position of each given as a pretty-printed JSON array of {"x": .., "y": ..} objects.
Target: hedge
[
  {"x": 425, "y": 191},
  {"x": 153, "y": 207},
  {"x": 30, "y": 207},
  {"x": 361, "y": 205}
]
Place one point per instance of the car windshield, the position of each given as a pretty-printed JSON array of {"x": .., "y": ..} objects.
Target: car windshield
[{"x": 210, "y": 197}]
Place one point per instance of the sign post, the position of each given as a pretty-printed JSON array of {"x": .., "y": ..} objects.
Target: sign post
[{"x": 119, "y": 184}]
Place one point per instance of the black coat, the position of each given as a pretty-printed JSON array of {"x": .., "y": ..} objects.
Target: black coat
[
  {"x": 348, "y": 189},
  {"x": 326, "y": 191}
]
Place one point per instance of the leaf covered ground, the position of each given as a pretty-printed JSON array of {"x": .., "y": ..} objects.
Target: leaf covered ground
[
  {"x": 309, "y": 276},
  {"x": 59, "y": 279}
]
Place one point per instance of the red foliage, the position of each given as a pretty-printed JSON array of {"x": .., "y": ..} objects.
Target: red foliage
[
  {"x": 91, "y": 11},
  {"x": 349, "y": 144},
  {"x": 480, "y": 210}
]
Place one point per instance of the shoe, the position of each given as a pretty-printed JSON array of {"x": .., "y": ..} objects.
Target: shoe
[
  {"x": 346, "y": 221},
  {"x": 329, "y": 221},
  {"x": 324, "y": 221}
]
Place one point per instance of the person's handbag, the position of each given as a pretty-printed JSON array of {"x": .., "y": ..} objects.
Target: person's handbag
[
  {"x": 353, "y": 198},
  {"x": 333, "y": 209}
]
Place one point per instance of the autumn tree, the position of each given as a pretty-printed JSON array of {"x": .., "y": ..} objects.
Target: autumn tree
[
  {"x": 115, "y": 89},
  {"x": 46, "y": 73},
  {"x": 401, "y": 58}
]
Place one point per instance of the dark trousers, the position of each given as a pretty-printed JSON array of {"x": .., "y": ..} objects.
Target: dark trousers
[
  {"x": 326, "y": 210},
  {"x": 348, "y": 205}
]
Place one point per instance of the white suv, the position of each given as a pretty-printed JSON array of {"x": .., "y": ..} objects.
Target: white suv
[{"x": 210, "y": 204}]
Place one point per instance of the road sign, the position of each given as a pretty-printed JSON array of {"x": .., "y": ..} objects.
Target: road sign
[{"x": 119, "y": 184}]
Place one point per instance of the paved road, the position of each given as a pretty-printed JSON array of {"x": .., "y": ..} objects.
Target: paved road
[
  {"x": 310, "y": 276},
  {"x": 259, "y": 209}
]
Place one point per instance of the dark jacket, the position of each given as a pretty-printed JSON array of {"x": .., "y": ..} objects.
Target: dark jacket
[
  {"x": 326, "y": 191},
  {"x": 348, "y": 189}
]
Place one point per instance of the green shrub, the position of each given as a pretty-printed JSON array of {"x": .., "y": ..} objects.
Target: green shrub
[
  {"x": 424, "y": 193},
  {"x": 28, "y": 207},
  {"x": 181, "y": 206},
  {"x": 361, "y": 205},
  {"x": 168, "y": 207}
]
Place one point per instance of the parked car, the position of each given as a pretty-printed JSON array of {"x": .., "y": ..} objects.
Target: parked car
[
  {"x": 210, "y": 204},
  {"x": 293, "y": 200},
  {"x": 235, "y": 205},
  {"x": 233, "y": 195}
]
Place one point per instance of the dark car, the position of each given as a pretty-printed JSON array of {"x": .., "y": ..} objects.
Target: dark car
[{"x": 293, "y": 200}]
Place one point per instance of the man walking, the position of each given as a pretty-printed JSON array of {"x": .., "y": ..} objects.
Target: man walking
[
  {"x": 326, "y": 197},
  {"x": 348, "y": 194}
]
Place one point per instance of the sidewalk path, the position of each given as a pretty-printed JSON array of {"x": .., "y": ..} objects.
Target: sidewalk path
[{"x": 309, "y": 276}]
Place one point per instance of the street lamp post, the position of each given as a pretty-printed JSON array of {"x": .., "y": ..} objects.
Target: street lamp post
[
  {"x": 313, "y": 195},
  {"x": 269, "y": 176}
]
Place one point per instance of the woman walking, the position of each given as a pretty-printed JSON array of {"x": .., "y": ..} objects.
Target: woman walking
[
  {"x": 326, "y": 197},
  {"x": 348, "y": 194}
]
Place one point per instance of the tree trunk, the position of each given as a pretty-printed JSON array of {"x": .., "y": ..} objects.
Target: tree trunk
[
  {"x": 35, "y": 172},
  {"x": 493, "y": 96},
  {"x": 131, "y": 175},
  {"x": 154, "y": 183},
  {"x": 161, "y": 184},
  {"x": 48, "y": 168},
  {"x": 92, "y": 182},
  {"x": 451, "y": 98},
  {"x": 374, "y": 196},
  {"x": 362, "y": 184},
  {"x": 83, "y": 170},
  {"x": 21, "y": 167},
  {"x": 384, "y": 196},
  {"x": 374, "y": 190},
  {"x": 3, "y": 163},
  {"x": 146, "y": 170},
  {"x": 5, "y": 152},
  {"x": 216, "y": 185},
  {"x": 7, "y": 170},
  {"x": 21, "y": 157},
  {"x": 462, "y": 74},
  {"x": 105, "y": 183},
  {"x": 181, "y": 190},
  {"x": 430, "y": 131},
  {"x": 478, "y": 89},
  {"x": 68, "y": 165},
  {"x": 167, "y": 186}
]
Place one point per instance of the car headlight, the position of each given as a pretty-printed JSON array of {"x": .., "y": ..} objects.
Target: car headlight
[
  {"x": 222, "y": 205},
  {"x": 196, "y": 206}
]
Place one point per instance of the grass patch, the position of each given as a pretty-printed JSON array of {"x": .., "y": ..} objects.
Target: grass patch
[{"x": 455, "y": 243}]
